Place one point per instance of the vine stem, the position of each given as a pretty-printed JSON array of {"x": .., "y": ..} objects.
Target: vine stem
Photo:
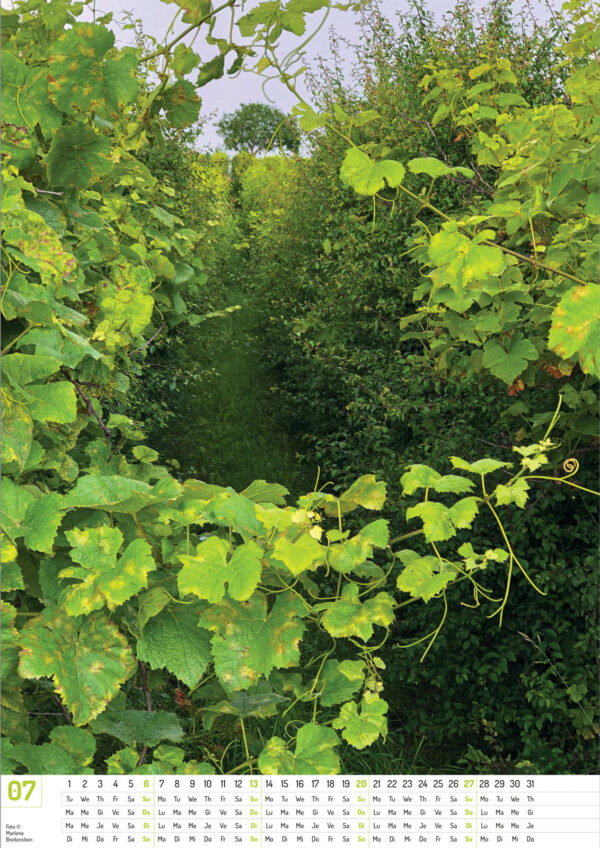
[
  {"x": 249, "y": 762},
  {"x": 246, "y": 751},
  {"x": 561, "y": 480},
  {"x": 185, "y": 32},
  {"x": 148, "y": 700}
]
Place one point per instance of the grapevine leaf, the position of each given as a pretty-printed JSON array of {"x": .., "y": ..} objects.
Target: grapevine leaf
[
  {"x": 337, "y": 687},
  {"x": 173, "y": 640},
  {"x": 353, "y": 553},
  {"x": 81, "y": 79},
  {"x": 352, "y": 669},
  {"x": 16, "y": 500},
  {"x": 516, "y": 493},
  {"x": 105, "y": 579},
  {"x": 441, "y": 522},
  {"x": 453, "y": 483},
  {"x": 17, "y": 433},
  {"x": 434, "y": 168},
  {"x": 53, "y": 402},
  {"x": 48, "y": 758},
  {"x": 261, "y": 492},
  {"x": 305, "y": 554},
  {"x": 181, "y": 103},
  {"x": 211, "y": 70},
  {"x": 77, "y": 742},
  {"x": 12, "y": 577},
  {"x": 314, "y": 753},
  {"x": 480, "y": 466},
  {"x": 418, "y": 477},
  {"x": 139, "y": 726},
  {"x": 249, "y": 643},
  {"x": 115, "y": 493},
  {"x": 42, "y": 520},
  {"x": 366, "y": 492},
  {"x": 150, "y": 603},
  {"x": 349, "y": 617},
  {"x": 206, "y": 573},
  {"x": 88, "y": 659},
  {"x": 77, "y": 157},
  {"x": 423, "y": 577},
  {"x": 229, "y": 509},
  {"x": 508, "y": 362},
  {"x": 363, "y": 728},
  {"x": 21, "y": 368},
  {"x": 367, "y": 177},
  {"x": 576, "y": 327},
  {"x": 9, "y": 655}
]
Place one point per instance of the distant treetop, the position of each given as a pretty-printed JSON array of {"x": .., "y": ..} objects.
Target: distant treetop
[{"x": 252, "y": 126}]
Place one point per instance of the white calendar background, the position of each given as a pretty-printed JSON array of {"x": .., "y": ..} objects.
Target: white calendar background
[{"x": 550, "y": 811}]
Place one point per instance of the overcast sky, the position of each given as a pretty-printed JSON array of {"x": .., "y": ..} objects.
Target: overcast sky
[{"x": 226, "y": 94}]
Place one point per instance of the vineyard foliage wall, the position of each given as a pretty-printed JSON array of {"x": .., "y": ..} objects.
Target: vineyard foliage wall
[{"x": 157, "y": 624}]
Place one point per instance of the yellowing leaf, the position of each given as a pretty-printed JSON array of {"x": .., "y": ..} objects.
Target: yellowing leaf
[
  {"x": 304, "y": 554},
  {"x": 314, "y": 753},
  {"x": 207, "y": 572},
  {"x": 87, "y": 659},
  {"x": 104, "y": 578},
  {"x": 362, "y": 728},
  {"x": 516, "y": 493},
  {"x": 423, "y": 577},
  {"x": 248, "y": 643},
  {"x": 349, "y": 617},
  {"x": 576, "y": 327}
]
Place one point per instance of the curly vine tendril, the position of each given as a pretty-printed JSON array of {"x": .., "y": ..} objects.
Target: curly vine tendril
[{"x": 570, "y": 467}]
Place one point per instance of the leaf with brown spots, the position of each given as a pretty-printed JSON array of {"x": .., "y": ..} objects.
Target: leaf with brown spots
[
  {"x": 576, "y": 327},
  {"x": 248, "y": 643},
  {"x": 87, "y": 659},
  {"x": 104, "y": 578}
]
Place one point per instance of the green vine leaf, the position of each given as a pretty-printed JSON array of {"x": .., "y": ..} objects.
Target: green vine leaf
[
  {"x": 248, "y": 643},
  {"x": 104, "y": 578},
  {"x": 362, "y": 728},
  {"x": 42, "y": 520},
  {"x": 441, "y": 522},
  {"x": 77, "y": 157},
  {"x": 434, "y": 168},
  {"x": 480, "y": 466},
  {"x": 314, "y": 753},
  {"x": 141, "y": 727},
  {"x": 70, "y": 751},
  {"x": 303, "y": 554},
  {"x": 87, "y": 659},
  {"x": 82, "y": 79},
  {"x": 424, "y": 477},
  {"x": 367, "y": 177},
  {"x": 351, "y": 554},
  {"x": 516, "y": 493},
  {"x": 11, "y": 575},
  {"x": 173, "y": 640},
  {"x": 508, "y": 361},
  {"x": 336, "y": 686}
]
